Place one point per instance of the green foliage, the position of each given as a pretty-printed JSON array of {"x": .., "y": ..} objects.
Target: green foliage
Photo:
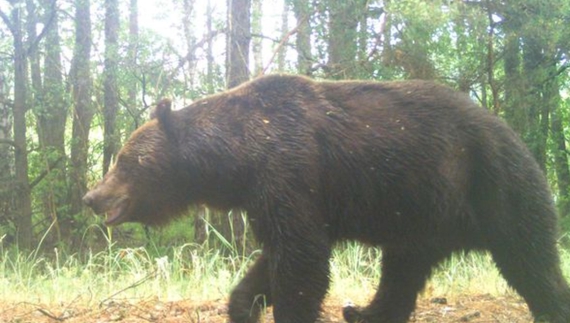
[
  {"x": 503, "y": 53},
  {"x": 193, "y": 272}
]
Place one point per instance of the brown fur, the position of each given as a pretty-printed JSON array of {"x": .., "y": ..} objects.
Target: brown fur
[{"x": 412, "y": 167}]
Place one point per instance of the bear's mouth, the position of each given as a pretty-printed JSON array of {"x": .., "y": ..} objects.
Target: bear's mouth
[{"x": 117, "y": 213}]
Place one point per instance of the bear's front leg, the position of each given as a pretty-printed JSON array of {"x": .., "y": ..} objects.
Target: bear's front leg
[
  {"x": 252, "y": 294},
  {"x": 299, "y": 275}
]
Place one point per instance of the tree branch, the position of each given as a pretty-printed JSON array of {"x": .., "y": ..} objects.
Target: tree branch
[
  {"x": 190, "y": 55},
  {"x": 9, "y": 142},
  {"x": 275, "y": 40},
  {"x": 43, "y": 174},
  {"x": 7, "y": 21},
  {"x": 282, "y": 43},
  {"x": 562, "y": 69},
  {"x": 46, "y": 28}
]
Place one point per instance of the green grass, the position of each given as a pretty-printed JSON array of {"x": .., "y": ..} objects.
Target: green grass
[
  {"x": 195, "y": 273},
  {"x": 187, "y": 272}
]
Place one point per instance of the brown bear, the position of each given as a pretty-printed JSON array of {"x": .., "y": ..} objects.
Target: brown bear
[{"x": 411, "y": 166}]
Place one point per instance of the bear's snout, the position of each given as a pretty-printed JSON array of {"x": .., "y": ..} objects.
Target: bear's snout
[
  {"x": 89, "y": 199},
  {"x": 96, "y": 202},
  {"x": 113, "y": 201}
]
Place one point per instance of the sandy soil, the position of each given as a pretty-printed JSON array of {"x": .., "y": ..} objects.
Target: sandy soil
[{"x": 466, "y": 308}]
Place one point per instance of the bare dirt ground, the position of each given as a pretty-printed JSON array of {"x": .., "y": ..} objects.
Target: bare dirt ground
[{"x": 466, "y": 308}]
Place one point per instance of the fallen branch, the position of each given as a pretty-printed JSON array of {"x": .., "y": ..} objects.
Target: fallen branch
[
  {"x": 63, "y": 317},
  {"x": 51, "y": 316},
  {"x": 136, "y": 284}
]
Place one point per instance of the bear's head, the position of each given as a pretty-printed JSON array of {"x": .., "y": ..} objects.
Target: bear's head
[{"x": 146, "y": 183}]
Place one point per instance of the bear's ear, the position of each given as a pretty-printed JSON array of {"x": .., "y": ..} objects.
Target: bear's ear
[
  {"x": 162, "y": 110},
  {"x": 163, "y": 113}
]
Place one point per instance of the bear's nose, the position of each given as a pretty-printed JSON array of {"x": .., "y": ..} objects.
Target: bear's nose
[{"x": 88, "y": 199}]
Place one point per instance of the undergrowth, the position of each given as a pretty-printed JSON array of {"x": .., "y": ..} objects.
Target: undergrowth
[{"x": 197, "y": 273}]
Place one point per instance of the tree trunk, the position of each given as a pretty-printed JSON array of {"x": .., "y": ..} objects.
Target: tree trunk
[
  {"x": 133, "y": 50},
  {"x": 388, "y": 52},
  {"x": 239, "y": 35},
  {"x": 6, "y": 169},
  {"x": 83, "y": 110},
  {"x": 51, "y": 115},
  {"x": 237, "y": 72},
  {"x": 209, "y": 50},
  {"x": 188, "y": 7},
  {"x": 35, "y": 97},
  {"x": 538, "y": 123},
  {"x": 6, "y": 162},
  {"x": 302, "y": 11},
  {"x": 256, "y": 41},
  {"x": 462, "y": 28},
  {"x": 362, "y": 49},
  {"x": 491, "y": 64},
  {"x": 516, "y": 113},
  {"x": 343, "y": 37},
  {"x": 111, "y": 101},
  {"x": 282, "y": 51},
  {"x": 552, "y": 98},
  {"x": 23, "y": 201},
  {"x": 200, "y": 223}
]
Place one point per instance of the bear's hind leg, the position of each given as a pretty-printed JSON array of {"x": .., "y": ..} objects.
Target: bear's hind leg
[
  {"x": 404, "y": 274},
  {"x": 252, "y": 294},
  {"x": 532, "y": 268}
]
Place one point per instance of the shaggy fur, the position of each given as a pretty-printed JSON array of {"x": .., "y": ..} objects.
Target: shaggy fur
[{"x": 411, "y": 166}]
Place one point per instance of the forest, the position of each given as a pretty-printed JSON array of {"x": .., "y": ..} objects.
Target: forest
[{"x": 77, "y": 77}]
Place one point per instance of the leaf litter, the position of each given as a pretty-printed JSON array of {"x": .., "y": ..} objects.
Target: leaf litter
[{"x": 481, "y": 308}]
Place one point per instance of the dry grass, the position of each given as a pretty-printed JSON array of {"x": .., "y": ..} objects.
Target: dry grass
[{"x": 191, "y": 284}]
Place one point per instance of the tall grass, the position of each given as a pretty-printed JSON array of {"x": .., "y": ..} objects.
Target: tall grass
[
  {"x": 197, "y": 273},
  {"x": 185, "y": 272},
  {"x": 356, "y": 274}
]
